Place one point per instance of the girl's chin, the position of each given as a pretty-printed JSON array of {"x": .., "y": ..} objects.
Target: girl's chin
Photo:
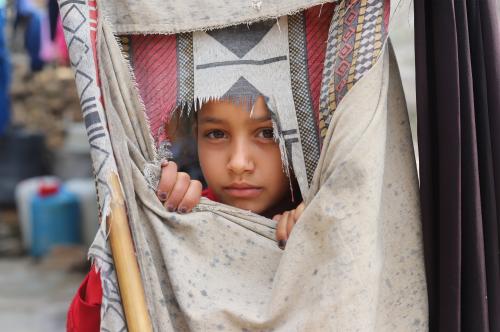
[{"x": 255, "y": 207}]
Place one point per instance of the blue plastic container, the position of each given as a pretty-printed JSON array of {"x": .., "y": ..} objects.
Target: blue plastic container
[{"x": 55, "y": 217}]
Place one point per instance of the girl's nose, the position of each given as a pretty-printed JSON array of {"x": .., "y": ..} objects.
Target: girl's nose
[{"x": 240, "y": 160}]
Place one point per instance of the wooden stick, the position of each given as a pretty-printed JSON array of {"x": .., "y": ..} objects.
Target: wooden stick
[{"x": 127, "y": 269}]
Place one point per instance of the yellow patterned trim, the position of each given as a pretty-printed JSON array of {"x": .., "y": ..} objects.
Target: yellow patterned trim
[
  {"x": 357, "y": 42},
  {"x": 377, "y": 45}
]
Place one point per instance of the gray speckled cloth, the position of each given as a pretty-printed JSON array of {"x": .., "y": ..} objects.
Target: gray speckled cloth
[
  {"x": 174, "y": 16},
  {"x": 354, "y": 261}
]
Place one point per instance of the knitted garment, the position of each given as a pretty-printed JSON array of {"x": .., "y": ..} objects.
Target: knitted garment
[{"x": 354, "y": 260}]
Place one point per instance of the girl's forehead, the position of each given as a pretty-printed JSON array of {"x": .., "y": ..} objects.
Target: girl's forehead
[{"x": 231, "y": 111}]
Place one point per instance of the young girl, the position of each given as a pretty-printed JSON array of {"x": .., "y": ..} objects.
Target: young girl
[{"x": 241, "y": 163}]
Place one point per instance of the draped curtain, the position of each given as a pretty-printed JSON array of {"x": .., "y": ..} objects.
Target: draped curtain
[{"x": 457, "y": 47}]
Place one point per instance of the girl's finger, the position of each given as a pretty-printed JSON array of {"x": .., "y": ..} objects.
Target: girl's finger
[
  {"x": 191, "y": 198},
  {"x": 168, "y": 178},
  {"x": 178, "y": 191},
  {"x": 281, "y": 235},
  {"x": 298, "y": 211},
  {"x": 289, "y": 225}
]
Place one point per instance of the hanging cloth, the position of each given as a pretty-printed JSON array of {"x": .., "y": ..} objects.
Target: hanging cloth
[{"x": 354, "y": 260}]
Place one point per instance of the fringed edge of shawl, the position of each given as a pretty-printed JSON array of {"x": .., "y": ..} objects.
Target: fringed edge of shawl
[{"x": 161, "y": 153}]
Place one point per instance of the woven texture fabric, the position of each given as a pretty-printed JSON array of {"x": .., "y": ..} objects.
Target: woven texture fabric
[{"x": 357, "y": 34}]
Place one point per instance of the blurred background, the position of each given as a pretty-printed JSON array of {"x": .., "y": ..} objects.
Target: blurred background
[{"x": 48, "y": 210}]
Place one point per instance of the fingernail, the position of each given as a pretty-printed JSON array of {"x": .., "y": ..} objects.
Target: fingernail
[
  {"x": 164, "y": 163},
  {"x": 170, "y": 208},
  {"x": 282, "y": 244},
  {"x": 162, "y": 196},
  {"x": 182, "y": 210}
]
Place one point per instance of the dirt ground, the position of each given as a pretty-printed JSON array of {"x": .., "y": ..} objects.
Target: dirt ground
[{"x": 33, "y": 296}]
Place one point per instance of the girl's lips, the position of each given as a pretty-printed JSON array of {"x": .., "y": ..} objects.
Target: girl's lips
[{"x": 243, "y": 191}]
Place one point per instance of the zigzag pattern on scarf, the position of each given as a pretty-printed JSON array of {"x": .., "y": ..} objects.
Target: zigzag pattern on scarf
[
  {"x": 357, "y": 34},
  {"x": 79, "y": 21}
]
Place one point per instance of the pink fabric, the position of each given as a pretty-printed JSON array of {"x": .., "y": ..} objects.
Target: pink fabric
[
  {"x": 154, "y": 58},
  {"x": 62, "y": 49},
  {"x": 317, "y": 24}
]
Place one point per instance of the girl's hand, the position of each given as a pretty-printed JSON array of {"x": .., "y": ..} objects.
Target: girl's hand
[
  {"x": 176, "y": 189},
  {"x": 286, "y": 221}
]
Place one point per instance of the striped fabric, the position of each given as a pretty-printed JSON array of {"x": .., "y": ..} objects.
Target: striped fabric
[{"x": 154, "y": 59}]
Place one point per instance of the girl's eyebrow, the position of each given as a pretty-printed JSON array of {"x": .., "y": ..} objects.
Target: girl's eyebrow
[
  {"x": 263, "y": 118},
  {"x": 210, "y": 119}
]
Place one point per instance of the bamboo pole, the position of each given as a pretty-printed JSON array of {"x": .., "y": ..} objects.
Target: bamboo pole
[{"x": 127, "y": 269}]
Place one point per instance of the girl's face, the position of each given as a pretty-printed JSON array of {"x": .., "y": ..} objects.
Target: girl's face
[{"x": 239, "y": 158}]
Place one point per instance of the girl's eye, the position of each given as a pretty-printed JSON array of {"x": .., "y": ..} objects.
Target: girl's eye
[
  {"x": 216, "y": 134},
  {"x": 267, "y": 133}
]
